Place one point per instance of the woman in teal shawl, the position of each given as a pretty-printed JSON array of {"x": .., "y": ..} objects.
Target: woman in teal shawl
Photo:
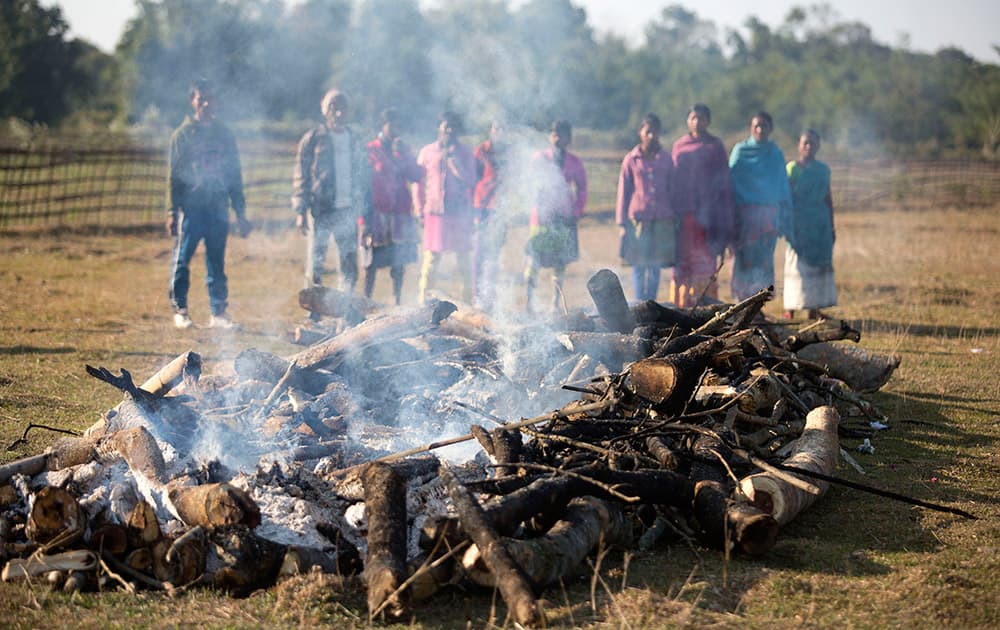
[
  {"x": 763, "y": 206},
  {"x": 809, "y": 280}
]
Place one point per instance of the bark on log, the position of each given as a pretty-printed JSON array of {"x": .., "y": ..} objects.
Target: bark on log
[
  {"x": 35, "y": 565},
  {"x": 142, "y": 528},
  {"x": 334, "y": 303},
  {"x": 724, "y": 519},
  {"x": 654, "y": 313},
  {"x": 256, "y": 365},
  {"x": 214, "y": 505},
  {"x": 393, "y": 326},
  {"x": 30, "y": 466},
  {"x": 613, "y": 349},
  {"x": 662, "y": 451},
  {"x": 862, "y": 370},
  {"x": 587, "y": 522},
  {"x": 141, "y": 452},
  {"x": 185, "y": 367},
  {"x": 109, "y": 537},
  {"x": 815, "y": 451},
  {"x": 799, "y": 340},
  {"x": 606, "y": 290},
  {"x": 385, "y": 563},
  {"x": 510, "y": 578},
  {"x": 668, "y": 382},
  {"x": 248, "y": 561},
  {"x": 55, "y": 514}
]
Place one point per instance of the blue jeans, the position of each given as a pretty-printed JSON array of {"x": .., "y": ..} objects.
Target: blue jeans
[
  {"x": 646, "y": 281},
  {"x": 211, "y": 226},
  {"x": 342, "y": 225}
]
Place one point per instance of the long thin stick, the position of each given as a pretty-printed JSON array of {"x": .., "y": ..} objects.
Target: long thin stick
[{"x": 876, "y": 491}]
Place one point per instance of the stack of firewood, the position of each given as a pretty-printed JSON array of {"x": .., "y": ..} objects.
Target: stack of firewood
[{"x": 711, "y": 424}]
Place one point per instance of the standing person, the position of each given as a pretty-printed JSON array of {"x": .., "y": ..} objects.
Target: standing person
[
  {"x": 562, "y": 195},
  {"x": 389, "y": 229},
  {"x": 444, "y": 200},
  {"x": 204, "y": 179},
  {"x": 703, "y": 201},
  {"x": 763, "y": 206},
  {"x": 809, "y": 280},
  {"x": 644, "y": 213},
  {"x": 491, "y": 226},
  {"x": 330, "y": 191}
]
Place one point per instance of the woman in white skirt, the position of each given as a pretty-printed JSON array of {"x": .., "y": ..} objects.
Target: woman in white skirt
[{"x": 809, "y": 283}]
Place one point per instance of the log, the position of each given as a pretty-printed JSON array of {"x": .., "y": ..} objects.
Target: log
[
  {"x": 257, "y": 365},
  {"x": 510, "y": 578},
  {"x": 214, "y": 505},
  {"x": 723, "y": 519},
  {"x": 185, "y": 558},
  {"x": 247, "y": 561},
  {"x": 54, "y": 517},
  {"x": 30, "y": 466},
  {"x": 385, "y": 563},
  {"x": 606, "y": 290},
  {"x": 663, "y": 451},
  {"x": 587, "y": 522},
  {"x": 185, "y": 367},
  {"x": 109, "y": 537},
  {"x": 654, "y": 313},
  {"x": 335, "y": 303},
  {"x": 799, "y": 340},
  {"x": 669, "y": 382},
  {"x": 613, "y": 349},
  {"x": 38, "y": 564},
  {"x": 141, "y": 452},
  {"x": 397, "y": 325},
  {"x": 862, "y": 370},
  {"x": 815, "y": 451},
  {"x": 142, "y": 528}
]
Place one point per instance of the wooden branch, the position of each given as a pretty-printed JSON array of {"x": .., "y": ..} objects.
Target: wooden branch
[
  {"x": 586, "y": 522},
  {"x": 815, "y": 451},
  {"x": 185, "y": 366},
  {"x": 214, "y": 505},
  {"x": 510, "y": 578},
  {"x": 385, "y": 564},
  {"x": 606, "y": 290},
  {"x": 862, "y": 370}
]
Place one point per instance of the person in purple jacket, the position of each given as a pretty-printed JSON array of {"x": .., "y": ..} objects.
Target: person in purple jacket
[
  {"x": 444, "y": 200},
  {"x": 644, "y": 213}
]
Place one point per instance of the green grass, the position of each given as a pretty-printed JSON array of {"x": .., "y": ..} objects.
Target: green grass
[{"x": 925, "y": 284}]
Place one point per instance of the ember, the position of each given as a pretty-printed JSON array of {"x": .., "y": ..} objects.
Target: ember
[{"x": 710, "y": 424}]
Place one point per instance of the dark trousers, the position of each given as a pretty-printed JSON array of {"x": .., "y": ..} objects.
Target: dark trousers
[{"x": 211, "y": 226}]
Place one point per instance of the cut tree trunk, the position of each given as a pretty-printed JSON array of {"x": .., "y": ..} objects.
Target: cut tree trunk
[
  {"x": 510, "y": 578},
  {"x": 393, "y": 326},
  {"x": 670, "y": 381},
  {"x": 385, "y": 563},
  {"x": 606, "y": 290},
  {"x": 862, "y": 370},
  {"x": 815, "y": 451},
  {"x": 214, "y": 505},
  {"x": 586, "y": 523},
  {"x": 37, "y": 564},
  {"x": 55, "y": 517}
]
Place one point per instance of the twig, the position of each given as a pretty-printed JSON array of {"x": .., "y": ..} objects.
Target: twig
[
  {"x": 279, "y": 387},
  {"x": 129, "y": 587},
  {"x": 24, "y": 436},
  {"x": 423, "y": 568},
  {"x": 559, "y": 471}
]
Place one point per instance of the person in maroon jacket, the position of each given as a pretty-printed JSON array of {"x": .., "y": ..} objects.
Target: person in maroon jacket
[
  {"x": 491, "y": 226},
  {"x": 389, "y": 230}
]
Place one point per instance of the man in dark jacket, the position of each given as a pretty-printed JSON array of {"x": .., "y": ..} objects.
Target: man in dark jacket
[
  {"x": 204, "y": 178},
  {"x": 330, "y": 191}
]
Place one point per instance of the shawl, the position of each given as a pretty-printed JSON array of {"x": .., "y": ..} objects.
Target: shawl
[{"x": 812, "y": 236}]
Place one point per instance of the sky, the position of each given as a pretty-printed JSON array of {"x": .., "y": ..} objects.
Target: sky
[{"x": 919, "y": 25}]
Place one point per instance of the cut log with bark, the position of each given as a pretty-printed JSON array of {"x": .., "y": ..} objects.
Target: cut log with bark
[
  {"x": 392, "y": 326},
  {"x": 816, "y": 451},
  {"x": 39, "y": 564},
  {"x": 586, "y": 523},
  {"x": 863, "y": 370},
  {"x": 669, "y": 382},
  {"x": 214, "y": 505},
  {"x": 55, "y": 518},
  {"x": 510, "y": 578},
  {"x": 606, "y": 290},
  {"x": 385, "y": 563},
  {"x": 186, "y": 367}
]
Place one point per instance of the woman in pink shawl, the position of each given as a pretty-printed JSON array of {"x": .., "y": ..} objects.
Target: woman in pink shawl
[
  {"x": 444, "y": 200},
  {"x": 703, "y": 202}
]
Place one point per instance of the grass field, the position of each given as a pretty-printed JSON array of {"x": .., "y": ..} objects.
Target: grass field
[{"x": 925, "y": 284}]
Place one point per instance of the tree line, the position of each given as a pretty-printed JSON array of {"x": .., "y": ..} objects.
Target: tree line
[{"x": 273, "y": 59}]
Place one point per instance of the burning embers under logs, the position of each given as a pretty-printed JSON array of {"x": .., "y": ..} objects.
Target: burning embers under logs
[{"x": 670, "y": 424}]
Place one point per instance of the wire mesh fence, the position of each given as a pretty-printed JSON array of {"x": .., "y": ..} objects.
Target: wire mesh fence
[{"x": 121, "y": 182}]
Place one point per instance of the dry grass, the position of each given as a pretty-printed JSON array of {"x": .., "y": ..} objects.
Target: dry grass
[{"x": 924, "y": 284}]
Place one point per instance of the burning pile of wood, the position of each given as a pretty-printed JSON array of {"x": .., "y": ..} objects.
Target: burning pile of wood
[{"x": 670, "y": 423}]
